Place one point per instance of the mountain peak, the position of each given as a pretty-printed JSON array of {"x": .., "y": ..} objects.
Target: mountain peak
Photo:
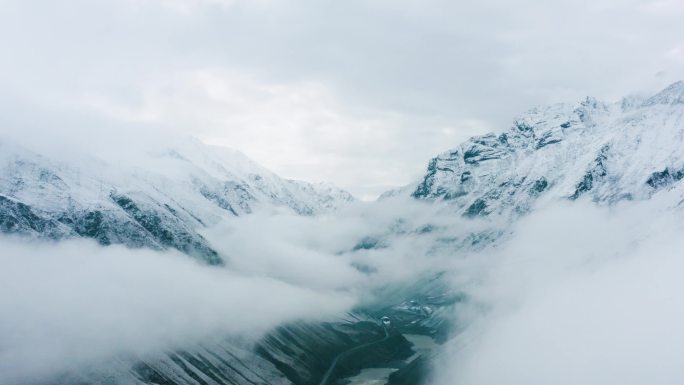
[
  {"x": 672, "y": 94},
  {"x": 604, "y": 152}
]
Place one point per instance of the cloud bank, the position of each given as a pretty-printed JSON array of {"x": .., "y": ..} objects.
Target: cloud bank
[
  {"x": 579, "y": 295},
  {"x": 74, "y": 304}
]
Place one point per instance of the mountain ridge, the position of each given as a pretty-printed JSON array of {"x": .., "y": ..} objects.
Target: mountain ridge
[
  {"x": 160, "y": 203},
  {"x": 604, "y": 151}
]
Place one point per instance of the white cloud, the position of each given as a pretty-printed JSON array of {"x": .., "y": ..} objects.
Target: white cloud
[
  {"x": 78, "y": 300},
  {"x": 359, "y": 93},
  {"x": 92, "y": 304},
  {"x": 579, "y": 295},
  {"x": 299, "y": 130},
  {"x": 187, "y": 7},
  {"x": 298, "y": 250}
]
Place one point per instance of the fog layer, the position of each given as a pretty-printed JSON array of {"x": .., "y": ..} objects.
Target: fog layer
[
  {"x": 578, "y": 295},
  {"x": 75, "y": 303}
]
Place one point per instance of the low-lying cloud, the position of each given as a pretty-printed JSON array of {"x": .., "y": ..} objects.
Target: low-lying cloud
[
  {"x": 75, "y": 303},
  {"x": 325, "y": 252},
  {"x": 578, "y": 295}
]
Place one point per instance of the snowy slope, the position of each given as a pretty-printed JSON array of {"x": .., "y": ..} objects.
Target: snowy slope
[
  {"x": 158, "y": 201},
  {"x": 605, "y": 152}
]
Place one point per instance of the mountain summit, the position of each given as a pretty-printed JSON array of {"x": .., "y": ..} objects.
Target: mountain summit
[{"x": 605, "y": 152}]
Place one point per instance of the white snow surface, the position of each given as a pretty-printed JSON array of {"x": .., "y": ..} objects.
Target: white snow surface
[{"x": 174, "y": 174}]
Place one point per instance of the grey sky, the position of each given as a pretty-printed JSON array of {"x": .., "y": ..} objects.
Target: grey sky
[{"x": 360, "y": 93}]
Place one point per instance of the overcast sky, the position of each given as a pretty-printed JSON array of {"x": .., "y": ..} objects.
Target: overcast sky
[{"x": 359, "y": 93}]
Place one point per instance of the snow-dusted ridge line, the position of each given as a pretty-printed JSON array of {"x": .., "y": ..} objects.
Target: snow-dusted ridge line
[
  {"x": 159, "y": 202},
  {"x": 605, "y": 152}
]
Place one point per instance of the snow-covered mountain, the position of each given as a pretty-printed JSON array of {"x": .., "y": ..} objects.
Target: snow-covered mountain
[
  {"x": 605, "y": 152},
  {"x": 159, "y": 202}
]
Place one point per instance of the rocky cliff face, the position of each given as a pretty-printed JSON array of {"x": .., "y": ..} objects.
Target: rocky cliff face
[{"x": 605, "y": 152}]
